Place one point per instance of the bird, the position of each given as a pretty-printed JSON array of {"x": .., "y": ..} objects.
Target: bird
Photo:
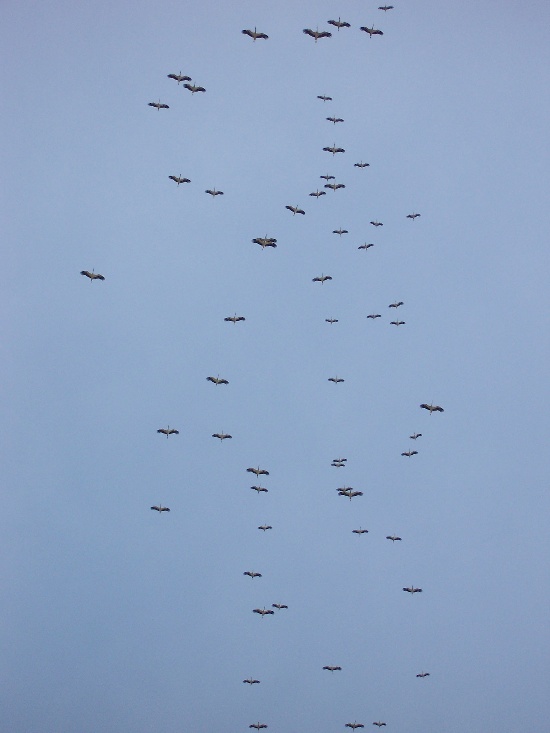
[
  {"x": 349, "y": 493},
  {"x": 160, "y": 508},
  {"x": 365, "y": 247},
  {"x": 385, "y": 7},
  {"x": 334, "y": 149},
  {"x": 361, "y": 165},
  {"x": 332, "y": 668},
  {"x": 259, "y": 489},
  {"x": 412, "y": 216},
  {"x": 258, "y": 725},
  {"x": 263, "y": 611},
  {"x": 340, "y": 460},
  {"x": 265, "y": 527},
  {"x": 374, "y": 315},
  {"x": 179, "y": 77},
  {"x": 413, "y": 590},
  {"x": 331, "y": 320},
  {"x": 92, "y": 275},
  {"x": 336, "y": 380},
  {"x": 393, "y": 538},
  {"x": 265, "y": 241},
  {"x": 317, "y": 34},
  {"x": 339, "y": 23},
  {"x": 324, "y": 98},
  {"x": 321, "y": 279},
  {"x": 334, "y": 120},
  {"x": 168, "y": 431},
  {"x": 379, "y": 723},
  {"x": 217, "y": 380},
  {"x": 258, "y": 471},
  {"x": 213, "y": 192},
  {"x": 410, "y": 453},
  {"x": 432, "y": 408},
  {"x": 423, "y": 674},
  {"x": 371, "y": 31},
  {"x": 396, "y": 304},
  {"x": 334, "y": 186},
  {"x": 360, "y": 531},
  {"x": 252, "y": 681},
  {"x": 295, "y": 210},
  {"x": 414, "y": 436},
  {"x": 340, "y": 231},
  {"x": 354, "y": 725},
  {"x": 235, "y": 318},
  {"x": 318, "y": 193},
  {"x": 179, "y": 179},
  {"x": 253, "y": 34},
  {"x": 252, "y": 574},
  {"x": 377, "y": 223},
  {"x": 338, "y": 464},
  {"x": 397, "y": 323},
  {"x": 327, "y": 177},
  {"x": 221, "y": 436},
  {"x": 158, "y": 105},
  {"x": 279, "y": 606},
  {"x": 194, "y": 88}
]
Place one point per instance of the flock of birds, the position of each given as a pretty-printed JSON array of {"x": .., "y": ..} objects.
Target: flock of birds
[{"x": 271, "y": 242}]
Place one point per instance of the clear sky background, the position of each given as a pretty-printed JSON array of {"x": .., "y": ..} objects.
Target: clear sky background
[{"x": 117, "y": 619}]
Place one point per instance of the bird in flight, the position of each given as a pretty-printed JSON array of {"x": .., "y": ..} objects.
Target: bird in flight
[
  {"x": 321, "y": 279},
  {"x": 327, "y": 177},
  {"x": 179, "y": 77},
  {"x": 423, "y": 674},
  {"x": 412, "y": 216},
  {"x": 432, "y": 408},
  {"x": 361, "y": 165},
  {"x": 413, "y": 590},
  {"x": 258, "y": 725},
  {"x": 396, "y": 304},
  {"x": 334, "y": 186},
  {"x": 263, "y": 612},
  {"x": 221, "y": 436},
  {"x": 217, "y": 380},
  {"x": 179, "y": 179},
  {"x": 379, "y": 723},
  {"x": 295, "y": 209},
  {"x": 168, "y": 431},
  {"x": 338, "y": 464},
  {"x": 194, "y": 88},
  {"x": 318, "y": 193},
  {"x": 410, "y": 453},
  {"x": 365, "y": 247},
  {"x": 414, "y": 436},
  {"x": 317, "y": 34},
  {"x": 259, "y": 489},
  {"x": 265, "y": 241},
  {"x": 252, "y": 574},
  {"x": 279, "y": 606},
  {"x": 340, "y": 231},
  {"x": 336, "y": 380},
  {"x": 235, "y": 318},
  {"x": 339, "y": 23},
  {"x": 324, "y": 98},
  {"x": 334, "y": 150},
  {"x": 385, "y": 7},
  {"x": 374, "y": 315},
  {"x": 160, "y": 508},
  {"x": 265, "y": 527},
  {"x": 354, "y": 725},
  {"x": 254, "y": 34},
  {"x": 397, "y": 323},
  {"x": 258, "y": 471},
  {"x": 360, "y": 531},
  {"x": 349, "y": 493},
  {"x": 158, "y": 105},
  {"x": 92, "y": 275},
  {"x": 331, "y": 320},
  {"x": 332, "y": 668},
  {"x": 393, "y": 538},
  {"x": 377, "y": 223},
  {"x": 334, "y": 120},
  {"x": 371, "y": 31},
  {"x": 252, "y": 681},
  {"x": 213, "y": 192}
]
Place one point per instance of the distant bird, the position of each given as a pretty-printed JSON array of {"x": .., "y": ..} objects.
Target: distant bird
[
  {"x": 334, "y": 186},
  {"x": 324, "y": 98},
  {"x": 412, "y": 216},
  {"x": 194, "y": 88},
  {"x": 432, "y": 408},
  {"x": 158, "y": 105},
  {"x": 360, "y": 531},
  {"x": 295, "y": 210},
  {"x": 265, "y": 527},
  {"x": 327, "y": 177},
  {"x": 321, "y": 279},
  {"x": 423, "y": 674},
  {"x": 317, "y": 34},
  {"x": 179, "y": 77},
  {"x": 217, "y": 380},
  {"x": 252, "y": 681},
  {"x": 371, "y": 31},
  {"x": 397, "y": 323},
  {"x": 258, "y": 725},
  {"x": 331, "y": 320},
  {"x": 377, "y": 223},
  {"x": 393, "y": 538},
  {"x": 354, "y": 725},
  {"x": 340, "y": 231},
  {"x": 160, "y": 508},
  {"x": 339, "y": 23},
  {"x": 92, "y": 275},
  {"x": 385, "y": 7},
  {"x": 349, "y": 493},
  {"x": 374, "y": 315},
  {"x": 340, "y": 460},
  {"x": 413, "y": 590},
  {"x": 396, "y": 304},
  {"x": 338, "y": 464},
  {"x": 235, "y": 318},
  {"x": 253, "y": 34},
  {"x": 221, "y": 436},
  {"x": 379, "y": 722},
  {"x": 332, "y": 668},
  {"x": 318, "y": 193},
  {"x": 414, "y": 436},
  {"x": 365, "y": 247},
  {"x": 361, "y": 165},
  {"x": 279, "y": 605},
  {"x": 336, "y": 380},
  {"x": 263, "y": 611},
  {"x": 252, "y": 574},
  {"x": 334, "y": 149},
  {"x": 168, "y": 431},
  {"x": 259, "y": 489},
  {"x": 213, "y": 192},
  {"x": 179, "y": 179},
  {"x": 334, "y": 120},
  {"x": 258, "y": 471},
  {"x": 265, "y": 242},
  {"x": 410, "y": 453}
]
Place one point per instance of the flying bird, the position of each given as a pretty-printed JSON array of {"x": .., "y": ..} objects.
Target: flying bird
[
  {"x": 168, "y": 431},
  {"x": 413, "y": 590},
  {"x": 317, "y": 34},
  {"x": 340, "y": 231},
  {"x": 361, "y": 165},
  {"x": 393, "y": 538},
  {"x": 252, "y": 574},
  {"x": 295, "y": 210},
  {"x": 423, "y": 674},
  {"x": 158, "y": 105},
  {"x": 179, "y": 179},
  {"x": 258, "y": 471},
  {"x": 324, "y": 98},
  {"x": 340, "y": 460},
  {"x": 432, "y": 408},
  {"x": 349, "y": 493},
  {"x": 414, "y": 436},
  {"x": 253, "y": 34},
  {"x": 321, "y": 279},
  {"x": 92, "y": 275},
  {"x": 397, "y": 323},
  {"x": 332, "y": 668},
  {"x": 379, "y": 723},
  {"x": 336, "y": 380},
  {"x": 279, "y": 605},
  {"x": 354, "y": 725},
  {"x": 334, "y": 186},
  {"x": 374, "y": 315},
  {"x": 360, "y": 531},
  {"x": 235, "y": 318},
  {"x": 318, "y": 193},
  {"x": 327, "y": 177},
  {"x": 339, "y": 23},
  {"x": 265, "y": 527},
  {"x": 213, "y": 192},
  {"x": 331, "y": 320},
  {"x": 334, "y": 149},
  {"x": 265, "y": 242},
  {"x": 263, "y": 612},
  {"x": 365, "y": 247},
  {"x": 385, "y": 7},
  {"x": 194, "y": 88},
  {"x": 252, "y": 681},
  {"x": 160, "y": 508},
  {"x": 410, "y": 453},
  {"x": 334, "y": 120},
  {"x": 258, "y": 725},
  {"x": 179, "y": 77},
  {"x": 217, "y": 380},
  {"x": 377, "y": 223},
  {"x": 259, "y": 489},
  {"x": 221, "y": 436},
  {"x": 396, "y": 304},
  {"x": 371, "y": 31},
  {"x": 338, "y": 464},
  {"x": 412, "y": 216}
]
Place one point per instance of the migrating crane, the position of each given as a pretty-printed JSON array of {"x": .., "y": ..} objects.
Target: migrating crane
[
  {"x": 339, "y": 23},
  {"x": 221, "y": 436},
  {"x": 254, "y": 34},
  {"x": 327, "y": 177},
  {"x": 332, "y": 668},
  {"x": 252, "y": 574},
  {"x": 92, "y": 275},
  {"x": 265, "y": 527},
  {"x": 168, "y": 431},
  {"x": 334, "y": 120},
  {"x": 340, "y": 231},
  {"x": 179, "y": 77},
  {"x": 259, "y": 489},
  {"x": 295, "y": 210},
  {"x": 414, "y": 436},
  {"x": 374, "y": 315},
  {"x": 396, "y": 304},
  {"x": 334, "y": 186},
  {"x": 160, "y": 508},
  {"x": 385, "y": 8},
  {"x": 217, "y": 380},
  {"x": 432, "y": 408},
  {"x": 258, "y": 471},
  {"x": 423, "y": 674},
  {"x": 324, "y": 98},
  {"x": 361, "y": 165},
  {"x": 397, "y": 323},
  {"x": 158, "y": 105},
  {"x": 179, "y": 179},
  {"x": 360, "y": 531},
  {"x": 321, "y": 279},
  {"x": 377, "y": 223},
  {"x": 263, "y": 611},
  {"x": 413, "y": 590},
  {"x": 265, "y": 241},
  {"x": 258, "y": 725},
  {"x": 317, "y": 34},
  {"x": 349, "y": 492},
  {"x": 412, "y": 216},
  {"x": 379, "y": 723},
  {"x": 318, "y": 193},
  {"x": 193, "y": 88},
  {"x": 371, "y": 31},
  {"x": 235, "y": 318},
  {"x": 334, "y": 150},
  {"x": 336, "y": 380},
  {"x": 354, "y": 725},
  {"x": 331, "y": 320},
  {"x": 393, "y": 538},
  {"x": 410, "y": 453},
  {"x": 365, "y": 247},
  {"x": 213, "y": 192},
  {"x": 252, "y": 681},
  {"x": 279, "y": 606}
]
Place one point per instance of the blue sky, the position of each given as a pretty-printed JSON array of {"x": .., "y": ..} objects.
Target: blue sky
[{"x": 120, "y": 619}]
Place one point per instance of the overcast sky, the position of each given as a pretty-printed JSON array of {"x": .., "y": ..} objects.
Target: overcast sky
[{"x": 116, "y": 618}]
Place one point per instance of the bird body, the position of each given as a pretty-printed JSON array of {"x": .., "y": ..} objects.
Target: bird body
[
  {"x": 168, "y": 431},
  {"x": 258, "y": 725},
  {"x": 321, "y": 279},
  {"x": 295, "y": 210},
  {"x": 349, "y": 493},
  {"x": 160, "y": 508},
  {"x": 317, "y": 34},
  {"x": 92, "y": 275},
  {"x": 432, "y": 408},
  {"x": 221, "y": 436},
  {"x": 179, "y": 179},
  {"x": 254, "y": 34}
]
